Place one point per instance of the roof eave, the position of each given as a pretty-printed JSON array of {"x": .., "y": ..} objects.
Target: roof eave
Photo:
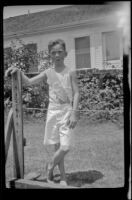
[{"x": 62, "y": 27}]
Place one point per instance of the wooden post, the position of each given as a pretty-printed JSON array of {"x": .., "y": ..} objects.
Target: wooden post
[
  {"x": 8, "y": 131},
  {"x": 18, "y": 124}
]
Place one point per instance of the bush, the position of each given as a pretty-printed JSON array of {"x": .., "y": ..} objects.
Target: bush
[
  {"x": 24, "y": 58},
  {"x": 36, "y": 97},
  {"x": 100, "y": 90}
]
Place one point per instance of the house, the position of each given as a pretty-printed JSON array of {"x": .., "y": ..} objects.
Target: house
[{"x": 93, "y": 38}]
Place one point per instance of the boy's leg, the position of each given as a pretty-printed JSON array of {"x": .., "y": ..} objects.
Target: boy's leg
[
  {"x": 61, "y": 165},
  {"x": 58, "y": 159},
  {"x": 62, "y": 170}
]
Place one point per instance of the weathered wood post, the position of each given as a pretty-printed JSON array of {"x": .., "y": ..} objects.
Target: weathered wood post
[
  {"x": 18, "y": 147},
  {"x": 8, "y": 132}
]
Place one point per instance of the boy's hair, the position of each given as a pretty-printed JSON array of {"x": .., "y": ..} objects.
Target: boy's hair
[{"x": 53, "y": 43}]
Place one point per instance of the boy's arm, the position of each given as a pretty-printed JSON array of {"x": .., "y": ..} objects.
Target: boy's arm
[
  {"x": 73, "y": 117},
  {"x": 25, "y": 79},
  {"x": 75, "y": 92},
  {"x": 34, "y": 80}
]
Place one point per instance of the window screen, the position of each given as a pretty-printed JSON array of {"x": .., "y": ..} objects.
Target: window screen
[
  {"x": 82, "y": 51},
  {"x": 111, "y": 45}
]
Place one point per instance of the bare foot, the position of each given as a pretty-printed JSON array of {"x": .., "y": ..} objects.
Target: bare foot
[{"x": 63, "y": 182}]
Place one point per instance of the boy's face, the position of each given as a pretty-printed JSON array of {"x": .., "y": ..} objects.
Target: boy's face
[{"x": 58, "y": 54}]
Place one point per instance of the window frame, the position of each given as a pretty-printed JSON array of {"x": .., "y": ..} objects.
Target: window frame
[
  {"x": 79, "y": 53},
  {"x": 112, "y": 62}
]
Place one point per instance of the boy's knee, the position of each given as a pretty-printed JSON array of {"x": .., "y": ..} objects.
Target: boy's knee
[
  {"x": 65, "y": 148},
  {"x": 56, "y": 146}
]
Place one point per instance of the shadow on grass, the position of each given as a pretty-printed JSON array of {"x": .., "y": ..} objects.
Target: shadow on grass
[{"x": 80, "y": 178}]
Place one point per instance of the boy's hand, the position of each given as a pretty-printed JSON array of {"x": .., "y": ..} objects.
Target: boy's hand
[
  {"x": 72, "y": 121},
  {"x": 11, "y": 70}
]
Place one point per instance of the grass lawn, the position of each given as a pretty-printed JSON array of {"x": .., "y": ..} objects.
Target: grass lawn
[{"x": 96, "y": 161}]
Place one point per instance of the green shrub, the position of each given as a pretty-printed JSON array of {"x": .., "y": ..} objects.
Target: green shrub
[
  {"x": 24, "y": 58},
  {"x": 100, "y": 90}
]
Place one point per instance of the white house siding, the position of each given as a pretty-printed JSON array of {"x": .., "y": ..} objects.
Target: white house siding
[
  {"x": 69, "y": 35},
  {"x": 98, "y": 50}
]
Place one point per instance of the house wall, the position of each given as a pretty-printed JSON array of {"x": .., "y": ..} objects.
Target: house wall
[{"x": 69, "y": 35}]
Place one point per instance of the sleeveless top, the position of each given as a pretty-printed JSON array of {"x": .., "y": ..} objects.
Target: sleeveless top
[{"x": 60, "y": 88}]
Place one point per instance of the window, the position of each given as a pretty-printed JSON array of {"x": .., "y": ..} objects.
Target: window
[
  {"x": 111, "y": 45},
  {"x": 82, "y": 52}
]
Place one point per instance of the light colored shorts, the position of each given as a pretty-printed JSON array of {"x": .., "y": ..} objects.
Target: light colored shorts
[{"x": 56, "y": 130}]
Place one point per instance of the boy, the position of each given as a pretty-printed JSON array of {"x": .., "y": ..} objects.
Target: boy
[{"x": 63, "y": 103}]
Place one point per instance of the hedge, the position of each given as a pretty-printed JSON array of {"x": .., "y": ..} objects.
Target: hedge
[{"x": 100, "y": 90}]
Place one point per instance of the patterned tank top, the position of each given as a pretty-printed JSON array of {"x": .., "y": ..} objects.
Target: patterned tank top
[{"x": 60, "y": 88}]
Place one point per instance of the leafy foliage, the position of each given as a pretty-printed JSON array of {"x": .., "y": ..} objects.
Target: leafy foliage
[
  {"x": 19, "y": 55},
  {"x": 100, "y": 90},
  {"x": 23, "y": 57},
  {"x": 44, "y": 60}
]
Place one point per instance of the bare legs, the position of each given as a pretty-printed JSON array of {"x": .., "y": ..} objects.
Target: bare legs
[
  {"x": 61, "y": 164},
  {"x": 58, "y": 159}
]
